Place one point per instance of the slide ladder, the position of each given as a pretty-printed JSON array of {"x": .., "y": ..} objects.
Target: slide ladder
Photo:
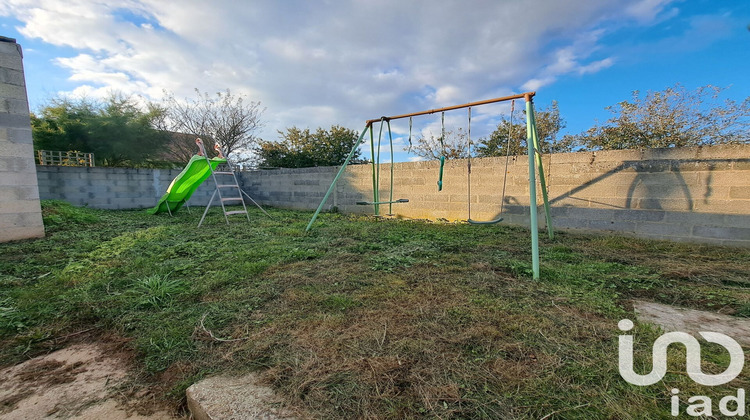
[{"x": 227, "y": 189}]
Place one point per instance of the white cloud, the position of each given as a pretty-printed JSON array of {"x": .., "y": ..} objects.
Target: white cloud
[
  {"x": 596, "y": 66},
  {"x": 536, "y": 84},
  {"x": 321, "y": 63},
  {"x": 649, "y": 10}
]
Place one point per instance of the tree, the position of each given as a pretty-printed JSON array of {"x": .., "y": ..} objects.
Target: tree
[
  {"x": 224, "y": 118},
  {"x": 303, "y": 148},
  {"x": 453, "y": 146},
  {"x": 117, "y": 130},
  {"x": 674, "y": 117},
  {"x": 548, "y": 125}
]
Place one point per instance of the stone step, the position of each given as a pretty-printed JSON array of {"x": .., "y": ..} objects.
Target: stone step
[{"x": 227, "y": 397}]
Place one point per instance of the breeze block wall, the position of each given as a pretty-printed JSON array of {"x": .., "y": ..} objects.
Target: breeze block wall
[
  {"x": 699, "y": 194},
  {"x": 112, "y": 188},
  {"x": 20, "y": 212}
]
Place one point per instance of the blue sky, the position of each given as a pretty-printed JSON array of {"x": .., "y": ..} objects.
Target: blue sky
[{"x": 315, "y": 64}]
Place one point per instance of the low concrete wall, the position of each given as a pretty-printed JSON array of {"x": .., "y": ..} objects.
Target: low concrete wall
[
  {"x": 692, "y": 194},
  {"x": 20, "y": 213},
  {"x": 112, "y": 188}
]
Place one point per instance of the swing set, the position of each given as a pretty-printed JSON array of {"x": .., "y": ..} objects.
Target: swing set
[{"x": 535, "y": 163}]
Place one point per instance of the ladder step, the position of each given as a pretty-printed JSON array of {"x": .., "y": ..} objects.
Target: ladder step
[
  {"x": 231, "y": 199},
  {"x": 235, "y": 212},
  {"x": 223, "y": 173},
  {"x": 228, "y": 185}
]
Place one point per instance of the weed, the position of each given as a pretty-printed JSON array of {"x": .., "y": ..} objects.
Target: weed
[{"x": 157, "y": 290}]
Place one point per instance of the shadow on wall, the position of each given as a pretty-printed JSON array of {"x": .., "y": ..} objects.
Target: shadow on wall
[
  {"x": 697, "y": 200},
  {"x": 657, "y": 184}
]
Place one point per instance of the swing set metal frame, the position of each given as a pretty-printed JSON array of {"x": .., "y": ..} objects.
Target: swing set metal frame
[{"x": 535, "y": 164}]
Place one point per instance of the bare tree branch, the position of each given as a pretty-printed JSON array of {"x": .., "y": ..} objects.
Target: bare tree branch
[{"x": 224, "y": 119}]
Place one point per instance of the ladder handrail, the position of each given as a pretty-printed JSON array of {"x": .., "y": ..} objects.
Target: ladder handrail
[{"x": 217, "y": 190}]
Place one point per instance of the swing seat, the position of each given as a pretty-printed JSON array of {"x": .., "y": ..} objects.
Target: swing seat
[
  {"x": 368, "y": 203},
  {"x": 487, "y": 222}
]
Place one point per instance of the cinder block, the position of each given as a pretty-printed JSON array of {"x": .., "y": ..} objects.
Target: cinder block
[
  {"x": 722, "y": 151},
  {"x": 21, "y": 178},
  {"x": 700, "y": 165},
  {"x": 11, "y": 61},
  {"x": 727, "y": 179},
  {"x": 693, "y": 218},
  {"x": 12, "y": 91},
  {"x": 604, "y": 202},
  {"x": 578, "y": 157},
  {"x": 639, "y": 215},
  {"x": 8, "y": 234},
  {"x": 743, "y": 244},
  {"x": 20, "y": 206},
  {"x": 570, "y": 223},
  {"x": 15, "y": 150},
  {"x": 663, "y": 229},
  {"x": 10, "y": 48},
  {"x": 8, "y": 164},
  {"x": 664, "y": 204},
  {"x": 30, "y": 219},
  {"x": 19, "y": 192},
  {"x": 619, "y": 225},
  {"x": 723, "y": 206},
  {"x": 593, "y": 213},
  {"x": 15, "y": 106},
  {"x": 734, "y": 220},
  {"x": 740, "y": 193},
  {"x": 12, "y": 77},
  {"x": 720, "y": 232}
]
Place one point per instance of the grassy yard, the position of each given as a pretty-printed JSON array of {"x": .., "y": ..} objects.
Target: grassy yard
[{"x": 367, "y": 318}]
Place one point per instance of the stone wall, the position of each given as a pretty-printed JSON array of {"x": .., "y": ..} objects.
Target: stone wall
[
  {"x": 693, "y": 194},
  {"x": 20, "y": 213}
]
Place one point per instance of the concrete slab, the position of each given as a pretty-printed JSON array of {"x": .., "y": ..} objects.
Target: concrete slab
[
  {"x": 235, "y": 398},
  {"x": 692, "y": 321}
]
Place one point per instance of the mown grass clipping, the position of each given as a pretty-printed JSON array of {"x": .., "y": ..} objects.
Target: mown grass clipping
[{"x": 367, "y": 318}]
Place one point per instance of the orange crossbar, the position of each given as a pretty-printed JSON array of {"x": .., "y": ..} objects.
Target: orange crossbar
[{"x": 526, "y": 96}]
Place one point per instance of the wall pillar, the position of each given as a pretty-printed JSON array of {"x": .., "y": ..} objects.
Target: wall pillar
[{"x": 20, "y": 212}]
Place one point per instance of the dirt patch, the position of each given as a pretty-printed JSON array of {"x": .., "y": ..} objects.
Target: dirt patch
[
  {"x": 78, "y": 382},
  {"x": 691, "y": 321}
]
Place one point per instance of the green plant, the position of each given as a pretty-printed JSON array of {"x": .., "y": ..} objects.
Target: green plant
[
  {"x": 157, "y": 290},
  {"x": 57, "y": 214},
  {"x": 11, "y": 321}
]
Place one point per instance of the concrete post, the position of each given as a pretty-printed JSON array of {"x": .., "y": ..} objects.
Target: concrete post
[{"x": 20, "y": 212}]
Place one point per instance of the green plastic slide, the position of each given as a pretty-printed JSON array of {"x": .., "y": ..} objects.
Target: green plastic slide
[{"x": 185, "y": 184}]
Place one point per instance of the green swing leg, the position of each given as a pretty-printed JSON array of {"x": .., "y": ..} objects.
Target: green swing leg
[{"x": 338, "y": 175}]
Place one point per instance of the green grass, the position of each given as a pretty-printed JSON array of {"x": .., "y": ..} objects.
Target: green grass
[{"x": 367, "y": 318}]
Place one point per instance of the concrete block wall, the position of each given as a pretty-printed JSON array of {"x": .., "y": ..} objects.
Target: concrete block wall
[
  {"x": 20, "y": 212},
  {"x": 697, "y": 194},
  {"x": 692, "y": 194},
  {"x": 112, "y": 188}
]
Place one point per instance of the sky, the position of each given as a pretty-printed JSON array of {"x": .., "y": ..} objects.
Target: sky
[{"x": 334, "y": 62}]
